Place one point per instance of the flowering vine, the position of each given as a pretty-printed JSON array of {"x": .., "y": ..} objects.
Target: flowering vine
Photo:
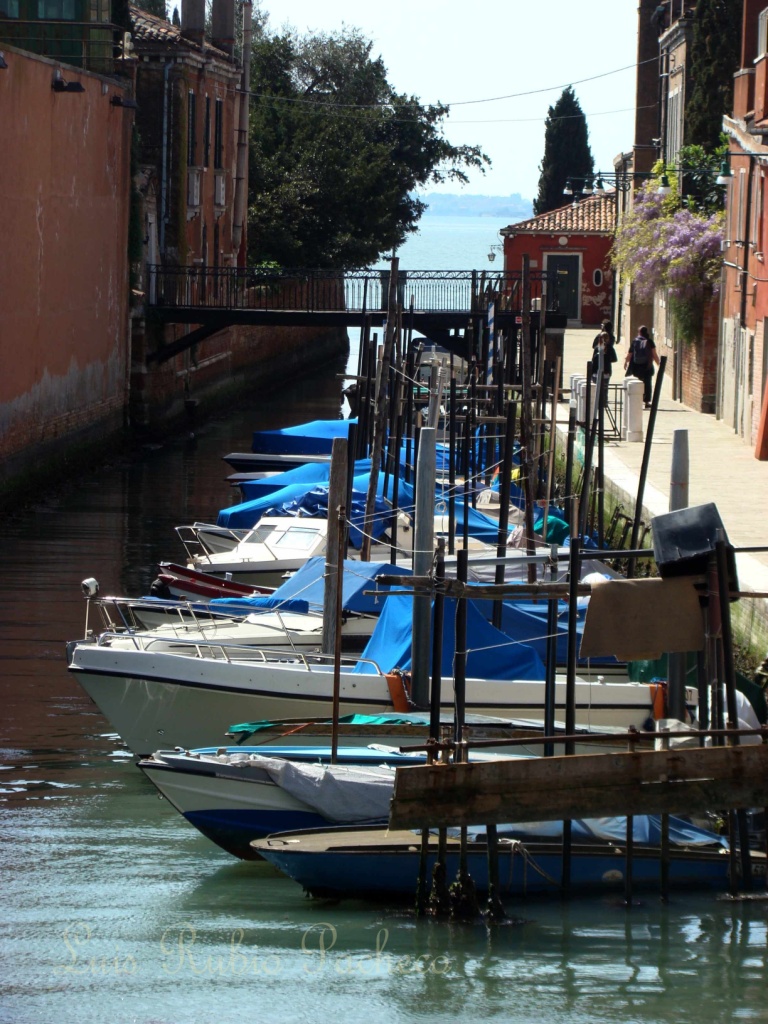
[{"x": 662, "y": 244}]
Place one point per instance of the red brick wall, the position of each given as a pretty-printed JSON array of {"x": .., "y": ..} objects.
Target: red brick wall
[{"x": 699, "y": 363}]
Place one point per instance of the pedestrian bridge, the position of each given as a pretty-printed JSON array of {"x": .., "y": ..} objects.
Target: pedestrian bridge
[{"x": 436, "y": 303}]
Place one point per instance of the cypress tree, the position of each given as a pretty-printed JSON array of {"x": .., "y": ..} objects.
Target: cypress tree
[
  {"x": 566, "y": 151},
  {"x": 715, "y": 57}
]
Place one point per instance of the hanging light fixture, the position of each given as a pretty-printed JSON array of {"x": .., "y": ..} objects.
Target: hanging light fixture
[{"x": 725, "y": 175}]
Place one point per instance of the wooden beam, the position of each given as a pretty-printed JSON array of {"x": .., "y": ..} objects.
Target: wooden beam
[{"x": 581, "y": 786}]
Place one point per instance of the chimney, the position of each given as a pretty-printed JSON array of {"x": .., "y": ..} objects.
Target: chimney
[
  {"x": 193, "y": 20},
  {"x": 223, "y": 25}
]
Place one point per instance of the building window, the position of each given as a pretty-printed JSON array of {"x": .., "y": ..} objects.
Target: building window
[
  {"x": 56, "y": 10},
  {"x": 9, "y": 8},
  {"x": 207, "y": 131},
  {"x": 597, "y": 278},
  {"x": 762, "y": 34},
  {"x": 740, "y": 226},
  {"x": 192, "y": 130},
  {"x": 218, "y": 135}
]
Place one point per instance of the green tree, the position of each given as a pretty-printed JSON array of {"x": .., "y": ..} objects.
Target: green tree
[
  {"x": 715, "y": 56},
  {"x": 566, "y": 151},
  {"x": 156, "y": 7},
  {"x": 336, "y": 154}
]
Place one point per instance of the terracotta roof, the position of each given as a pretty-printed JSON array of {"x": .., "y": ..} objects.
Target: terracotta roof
[
  {"x": 593, "y": 215},
  {"x": 149, "y": 27}
]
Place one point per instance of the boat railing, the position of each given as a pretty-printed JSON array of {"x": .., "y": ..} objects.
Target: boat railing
[
  {"x": 231, "y": 652},
  {"x": 195, "y": 547}
]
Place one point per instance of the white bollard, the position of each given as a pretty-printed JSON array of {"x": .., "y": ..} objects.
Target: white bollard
[
  {"x": 577, "y": 392},
  {"x": 633, "y": 409}
]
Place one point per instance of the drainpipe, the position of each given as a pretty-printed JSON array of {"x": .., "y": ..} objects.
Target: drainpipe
[
  {"x": 164, "y": 160},
  {"x": 241, "y": 173}
]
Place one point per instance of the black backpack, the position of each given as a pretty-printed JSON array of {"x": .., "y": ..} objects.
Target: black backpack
[{"x": 641, "y": 350}]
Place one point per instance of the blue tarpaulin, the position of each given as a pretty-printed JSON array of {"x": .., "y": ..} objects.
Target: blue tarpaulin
[
  {"x": 313, "y": 438},
  {"x": 311, "y": 474},
  {"x": 491, "y": 654},
  {"x": 305, "y": 590}
]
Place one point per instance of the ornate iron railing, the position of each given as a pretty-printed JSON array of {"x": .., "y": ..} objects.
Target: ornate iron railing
[{"x": 439, "y": 291}]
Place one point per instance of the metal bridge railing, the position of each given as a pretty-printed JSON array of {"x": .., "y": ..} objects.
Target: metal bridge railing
[{"x": 439, "y": 291}]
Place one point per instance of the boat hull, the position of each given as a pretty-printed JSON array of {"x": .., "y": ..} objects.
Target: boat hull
[
  {"x": 379, "y": 865},
  {"x": 156, "y": 699}
]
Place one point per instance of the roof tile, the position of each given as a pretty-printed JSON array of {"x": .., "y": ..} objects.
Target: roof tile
[{"x": 593, "y": 215}]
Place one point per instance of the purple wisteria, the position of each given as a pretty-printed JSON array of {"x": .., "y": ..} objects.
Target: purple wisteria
[{"x": 659, "y": 246}]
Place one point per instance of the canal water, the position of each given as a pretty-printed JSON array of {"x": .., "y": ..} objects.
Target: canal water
[{"x": 115, "y": 910}]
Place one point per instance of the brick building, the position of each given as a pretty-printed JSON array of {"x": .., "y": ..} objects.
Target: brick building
[
  {"x": 573, "y": 244},
  {"x": 743, "y": 367}
]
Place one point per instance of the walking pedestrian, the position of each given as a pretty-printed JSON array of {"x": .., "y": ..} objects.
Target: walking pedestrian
[
  {"x": 639, "y": 361},
  {"x": 606, "y": 341}
]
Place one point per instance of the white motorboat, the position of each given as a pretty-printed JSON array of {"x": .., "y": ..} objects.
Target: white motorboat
[
  {"x": 154, "y": 697},
  {"x": 275, "y": 546}
]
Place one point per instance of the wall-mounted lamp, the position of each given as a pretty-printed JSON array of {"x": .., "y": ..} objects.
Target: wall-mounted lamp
[
  {"x": 664, "y": 187},
  {"x": 725, "y": 175},
  {"x": 492, "y": 252},
  {"x": 3, "y": 61},
  {"x": 127, "y": 102},
  {"x": 59, "y": 85}
]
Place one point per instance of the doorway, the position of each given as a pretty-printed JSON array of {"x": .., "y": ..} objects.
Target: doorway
[{"x": 565, "y": 269}]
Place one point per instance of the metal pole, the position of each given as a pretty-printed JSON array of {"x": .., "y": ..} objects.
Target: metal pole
[
  {"x": 423, "y": 552},
  {"x": 678, "y": 498},
  {"x": 644, "y": 466},
  {"x": 337, "y": 496},
  {"x": 504, "y": 494},
  {"x": 437, "y": 644},
  {"x": 337, "y": 643}
]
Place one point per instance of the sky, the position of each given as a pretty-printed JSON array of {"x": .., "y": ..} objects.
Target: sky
[{"x": 469, "y": 54}]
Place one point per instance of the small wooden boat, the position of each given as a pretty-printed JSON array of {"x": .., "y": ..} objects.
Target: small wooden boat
[{"x": 379, "y": 864}]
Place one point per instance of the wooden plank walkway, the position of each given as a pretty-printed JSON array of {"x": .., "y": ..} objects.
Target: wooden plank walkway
[{"x": 679, "y": 781}]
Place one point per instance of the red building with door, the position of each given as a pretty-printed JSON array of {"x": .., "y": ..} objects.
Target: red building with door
[{"x": 572, "y": 244}]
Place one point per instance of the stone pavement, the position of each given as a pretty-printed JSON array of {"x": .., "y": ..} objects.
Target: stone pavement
[{"x": 722, "y": 468}]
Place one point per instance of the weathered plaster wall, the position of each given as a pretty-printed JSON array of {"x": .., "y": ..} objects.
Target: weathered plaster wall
[{"x": 64, "y": 198}]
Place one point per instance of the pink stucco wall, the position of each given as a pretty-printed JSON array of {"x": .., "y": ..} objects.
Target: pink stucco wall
[{"x": 64, "y": 197}]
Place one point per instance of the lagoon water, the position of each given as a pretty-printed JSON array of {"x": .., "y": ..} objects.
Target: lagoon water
[{"x": 114, "y": 910}]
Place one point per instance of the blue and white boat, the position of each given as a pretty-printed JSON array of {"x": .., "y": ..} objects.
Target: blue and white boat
[
  {"x": 235, "y": 794},
  {"x": 378, "y": 864}
]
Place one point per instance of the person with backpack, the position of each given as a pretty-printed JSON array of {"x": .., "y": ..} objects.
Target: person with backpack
[{"x": 639, "y": 361}]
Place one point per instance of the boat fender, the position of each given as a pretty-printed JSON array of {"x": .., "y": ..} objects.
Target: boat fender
[
  {"x": 399, "y": 684},
  {"x": 659, "y": 700}
]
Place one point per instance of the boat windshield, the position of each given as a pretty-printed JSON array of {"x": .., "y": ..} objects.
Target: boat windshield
[{"x": 300, "y": 537}]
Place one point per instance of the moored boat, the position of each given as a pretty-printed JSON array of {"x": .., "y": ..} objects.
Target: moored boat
[{"x": 379, "y": 864}]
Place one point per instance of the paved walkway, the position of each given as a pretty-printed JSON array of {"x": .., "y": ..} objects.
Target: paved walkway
[{"x": 723, "y": 468}]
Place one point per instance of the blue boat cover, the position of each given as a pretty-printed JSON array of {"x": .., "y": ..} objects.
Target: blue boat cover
[
  {"x": 526, "y": 622},
  {"x": 313, "y": 438},
  {"x": 305, "y": 590},
  {"x": 313, "y": 500},
  {"x": 646, "y": 829},
  {"x": 312, "y": 474},
  {"x": 491, "y": 653}
]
